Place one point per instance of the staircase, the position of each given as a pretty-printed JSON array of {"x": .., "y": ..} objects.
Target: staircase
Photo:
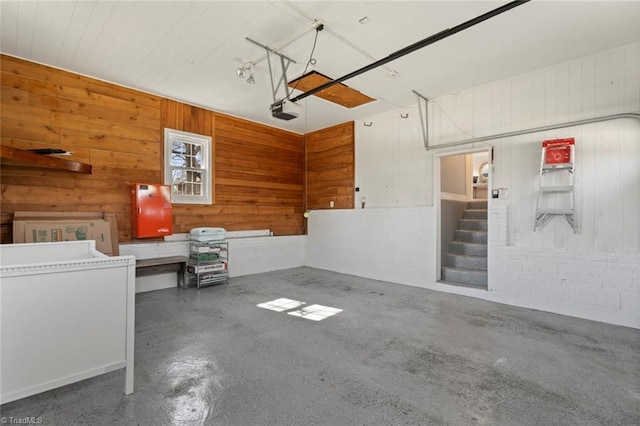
[{"x": 466, "y": 262}]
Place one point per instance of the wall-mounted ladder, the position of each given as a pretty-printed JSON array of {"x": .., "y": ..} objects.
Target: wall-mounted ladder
[{"x": 556, "y": 196}]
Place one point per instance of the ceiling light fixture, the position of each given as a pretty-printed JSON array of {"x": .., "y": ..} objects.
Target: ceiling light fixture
[{"x": 247, "y": 70}]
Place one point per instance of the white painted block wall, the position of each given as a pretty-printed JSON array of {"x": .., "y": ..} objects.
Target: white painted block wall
[
  {"x": 250, "y": 255},
  {"x": 598, "y": 285},
  {"x": 263, "y": 254},
  {"x": 398, "y": 245},
  {"x": 391, "y": 244}
]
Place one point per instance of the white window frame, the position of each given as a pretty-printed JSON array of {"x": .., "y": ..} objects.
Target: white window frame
[{"x": 171, "y": 135}]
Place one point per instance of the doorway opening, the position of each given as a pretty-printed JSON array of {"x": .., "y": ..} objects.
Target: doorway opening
[{"x": 462, "y": 187}]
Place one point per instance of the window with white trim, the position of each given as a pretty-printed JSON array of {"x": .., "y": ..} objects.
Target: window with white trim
[{"x": 187, "y": 167}]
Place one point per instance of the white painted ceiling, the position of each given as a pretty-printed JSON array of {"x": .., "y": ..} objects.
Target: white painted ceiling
[{"x": 189, "y": 51}]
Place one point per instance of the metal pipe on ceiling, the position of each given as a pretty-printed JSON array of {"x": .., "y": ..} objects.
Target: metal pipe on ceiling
[
  {"x": 635, "y": 115},
  {"x": 415, "y": 46},
  {"x": 424, "y": 119}
]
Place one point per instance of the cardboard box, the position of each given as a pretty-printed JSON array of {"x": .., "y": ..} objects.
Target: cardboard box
[
  {"x": 32, "y": 227},
  {"x": 36, "y": 232}
]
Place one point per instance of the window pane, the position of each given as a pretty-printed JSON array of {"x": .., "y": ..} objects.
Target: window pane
[
  {"x": 179, "y": 176},
  {"x": 178, "y": 161},
  {"x": 186, "y": 166},
  {"x": 177, "y": 147},
  {"x": 197, "y": 157}
]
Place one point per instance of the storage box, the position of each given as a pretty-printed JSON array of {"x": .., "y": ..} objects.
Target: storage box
[
  {"x": 208, "y": 234},
  {"x": 32, "y": 227}
]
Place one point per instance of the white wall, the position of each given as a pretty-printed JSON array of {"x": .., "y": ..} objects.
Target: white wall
[
  {"x": 593, "y": 274},
  {"x": 398, "y": 245},
  {"x": 392, "y": 167},
  {"x": 453, "y": 172},
  {"x": 608, "y": 154},
  {"x": 255, "y": 255},
  {"x": 246, "y": 256},
  {"x": 391, "y": 244}
]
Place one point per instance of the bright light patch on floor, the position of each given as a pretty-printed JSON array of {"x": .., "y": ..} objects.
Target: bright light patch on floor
[
  {"x": 280, "y": 305},
  {"x": 315, "y": 312}
]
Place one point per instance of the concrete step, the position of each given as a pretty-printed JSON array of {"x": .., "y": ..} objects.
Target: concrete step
[
  {"x": 479, "y": 205},
  {"x": 466, "y": 261},
  {"x": 469, "y": 277},
  {"x": 475, "y": 214},
  {"x": 461, "y": 247},
  {"x": 470, "y": 236},
  {"x": 473, "y": 224}
]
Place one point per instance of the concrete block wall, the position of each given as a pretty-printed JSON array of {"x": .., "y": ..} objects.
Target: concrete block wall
[
  {"x": 598, "y": 285},
  {"x": 394, "y": 244},
  {"x": 263, "y": 254},
  {"x": 601, "y": 286},
  {"x": 399, "y": 245},
  {"x": 251, "y": 255}
]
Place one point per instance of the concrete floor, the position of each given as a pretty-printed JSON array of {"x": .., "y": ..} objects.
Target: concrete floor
[{"x": 395, "y": 355}]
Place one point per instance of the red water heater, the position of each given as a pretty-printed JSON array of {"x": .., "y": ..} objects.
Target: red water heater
[{"x": 150, "y": 210}]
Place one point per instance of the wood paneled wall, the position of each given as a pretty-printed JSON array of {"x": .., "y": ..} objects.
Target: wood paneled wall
[
  {"x": 116, "y": 130},
  {"x": 259, "y": 171},
  {"x": 330, "y": 167}
]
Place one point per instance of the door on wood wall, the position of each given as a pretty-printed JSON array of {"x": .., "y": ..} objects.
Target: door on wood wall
[{"x": 462, "y": 185}]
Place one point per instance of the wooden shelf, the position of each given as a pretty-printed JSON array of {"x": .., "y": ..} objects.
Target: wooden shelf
[{"x": 23, "y": 158}]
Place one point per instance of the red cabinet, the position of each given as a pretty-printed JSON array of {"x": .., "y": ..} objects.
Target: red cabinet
[{"x": 150, "y": 210}]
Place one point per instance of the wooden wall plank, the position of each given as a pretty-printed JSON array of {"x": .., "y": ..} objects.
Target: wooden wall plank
[
  {"x": 330, "y": 167},
  {"x": 255, "y": 167},
  {"x": 29, "y": 132},
  {"x": 258, "y": 170},
  {"x": 117, "y": 130}
]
